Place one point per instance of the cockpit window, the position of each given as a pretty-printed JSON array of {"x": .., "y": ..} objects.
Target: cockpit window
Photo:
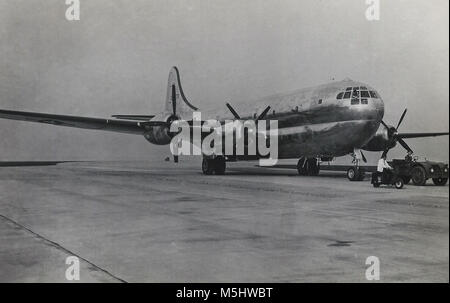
[
  {"x": 358, "y": 94},
  {"x": 365, "y": 94},
  {"x": 339, "y": 96}
]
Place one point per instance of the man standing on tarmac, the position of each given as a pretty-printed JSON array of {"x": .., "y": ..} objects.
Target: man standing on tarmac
[{"x": 383, "y": 168}]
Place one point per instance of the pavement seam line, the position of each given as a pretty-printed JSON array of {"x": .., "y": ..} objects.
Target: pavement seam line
[{"x": 58, "y": 246}]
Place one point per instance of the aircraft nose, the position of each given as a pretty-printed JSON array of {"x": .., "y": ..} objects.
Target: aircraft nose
[{"x": 378, "y": 108}]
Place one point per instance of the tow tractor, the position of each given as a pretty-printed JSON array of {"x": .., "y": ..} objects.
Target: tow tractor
[
  {"x": 389, "y": 178},
  {"x": 420, "y": 171}
]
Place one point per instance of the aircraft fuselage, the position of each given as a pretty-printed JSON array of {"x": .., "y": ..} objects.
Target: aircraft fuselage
[{"x": 329, "y": 120}]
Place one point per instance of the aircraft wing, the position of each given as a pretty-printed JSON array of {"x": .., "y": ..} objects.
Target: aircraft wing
[
  {"x": 420, "y": 135},
  {"x": 121, "y": 126}
]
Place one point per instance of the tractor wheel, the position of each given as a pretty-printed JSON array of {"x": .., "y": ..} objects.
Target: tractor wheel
[
  {"x": 440, "y": 181},
  {"x": 398, "y": 183},
  {"x": 419, "y": 176}
]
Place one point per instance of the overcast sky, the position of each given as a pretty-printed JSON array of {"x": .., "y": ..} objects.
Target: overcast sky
[{"x": 116, "y": 60}]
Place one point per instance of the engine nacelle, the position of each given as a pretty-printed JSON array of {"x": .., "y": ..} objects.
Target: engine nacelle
[
  {"x": 380, "y": 141},
  {"x": 160, "y": 134}
]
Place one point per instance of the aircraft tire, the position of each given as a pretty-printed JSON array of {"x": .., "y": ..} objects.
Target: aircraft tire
[
  {"x": 361, "y": 175},
  {"x": 219, "y": 165},
  {"x": 302, "y": 167},
  {"x": 312, "y": 167},
  {"x": 208, "y": 166},
  {"x": 353, "y": 173}
]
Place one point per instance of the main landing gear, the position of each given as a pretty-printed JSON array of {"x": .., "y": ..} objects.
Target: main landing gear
[
  {"x": 308, "y": 167},
  {"x": 215, "y": 165},
  {"x": 356, "y": 173}
]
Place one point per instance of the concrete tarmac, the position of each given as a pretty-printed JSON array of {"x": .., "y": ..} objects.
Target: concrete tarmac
[{"x": 166, "y": 222}]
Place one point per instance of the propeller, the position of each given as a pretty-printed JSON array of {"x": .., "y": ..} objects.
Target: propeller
[
  {"x": 263, "y": 114},
  {"x": 174, "y": 115},
  {"x": 393, "y": 136},
  {"x": 174, "y": 101},
  {"x": 236, "y": 115}
]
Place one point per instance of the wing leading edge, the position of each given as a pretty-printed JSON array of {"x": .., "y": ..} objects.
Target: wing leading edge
[{"x": 120, "y": 126}]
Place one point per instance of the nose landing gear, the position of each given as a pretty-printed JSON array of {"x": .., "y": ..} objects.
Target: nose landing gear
[{"x": 356, "y": 173}]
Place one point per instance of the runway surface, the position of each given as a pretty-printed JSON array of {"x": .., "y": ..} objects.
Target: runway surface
[{"x": 162, "y": 222}]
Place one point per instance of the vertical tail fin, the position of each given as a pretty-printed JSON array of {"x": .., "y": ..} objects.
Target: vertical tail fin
[{"x": 176, "y": 100}]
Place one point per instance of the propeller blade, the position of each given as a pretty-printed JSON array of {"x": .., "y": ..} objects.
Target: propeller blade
[
  {"x": 363, "y": 157},
  {"x": 235, "y": 114},
  {"x": 174, "y": 101},
  {"x": 401, "y": 118},
  {"x": 134, "y": 117},
  {"x": 155, "y": 123},
  {"x": 384, "y": 124},
  {"x": 263, "y": 114},
  {"x": 405, "y": 146}
]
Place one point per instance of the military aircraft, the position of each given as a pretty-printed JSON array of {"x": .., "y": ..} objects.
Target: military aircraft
[{"x": 314, "y": 124}]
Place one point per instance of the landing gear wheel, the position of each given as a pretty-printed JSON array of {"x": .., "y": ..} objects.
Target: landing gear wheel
[
  {"x": 362, "y": 175},
  {"x": 308, "y": 167},
  {"x": 419, "y": 176},
  {"x": 312, "y": 167},
  {"x": 398, "y": 183},
  {"x": 355, "y": 174},
  {"x": 220, "y": 165},
  {"x": 208, "y": 166},
  {"x": 440, "y": 181},
  {"x": 351, "y": 174},
  {"x": 302, "y": 167}
]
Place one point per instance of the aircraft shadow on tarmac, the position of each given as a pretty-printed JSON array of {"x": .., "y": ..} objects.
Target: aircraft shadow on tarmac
[
  {"x": 276, "y": 171},
  {"x": 29, "y": 163}
]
